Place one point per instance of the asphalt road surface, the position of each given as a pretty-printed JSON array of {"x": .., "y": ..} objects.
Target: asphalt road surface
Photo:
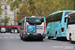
[{"x": 10, "y": 41}]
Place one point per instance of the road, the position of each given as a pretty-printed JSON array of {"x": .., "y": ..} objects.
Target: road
[{"x": 13, "y": 42}]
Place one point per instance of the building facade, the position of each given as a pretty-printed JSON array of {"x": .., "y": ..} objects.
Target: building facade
[{"x": 8, "y": 13}]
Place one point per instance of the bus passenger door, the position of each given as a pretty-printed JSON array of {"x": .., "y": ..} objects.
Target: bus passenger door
[
  {"x": 66, "y": 25},
  {"x": 49, "y": 29}
]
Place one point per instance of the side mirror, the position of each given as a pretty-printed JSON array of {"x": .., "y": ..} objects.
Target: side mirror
[
  {"x": 67, "y": 18},
  {"x": 20, "y": 24}
]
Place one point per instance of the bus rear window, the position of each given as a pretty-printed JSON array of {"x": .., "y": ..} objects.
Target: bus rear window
[{"x": 33, "y": 21}]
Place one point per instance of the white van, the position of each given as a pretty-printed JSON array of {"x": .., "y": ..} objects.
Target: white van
[{"x": 3, "y": 30}]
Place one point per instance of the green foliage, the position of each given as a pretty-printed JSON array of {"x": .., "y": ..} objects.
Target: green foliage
[
  {"x": 14, "y": 4},
  {"x": 8, "y": 1},
  {"x": 0, "y": 4},
  {"x": 0, "y": 7},
  {"x": 41, "y": 7},
  {"x": 15, "y": 19},
  {"x": 1, "y": 1},
  {"x": 5, "y": 20}
]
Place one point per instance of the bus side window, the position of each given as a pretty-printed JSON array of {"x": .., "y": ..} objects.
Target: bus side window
[{"x": 22, "y": 25}]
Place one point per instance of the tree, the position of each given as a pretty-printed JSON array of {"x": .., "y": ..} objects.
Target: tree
[
  {"x": 5, "y": 20},
  {"x": 43, "y": 7},
  {"x": 14, "y": 4},
  {"x": 15, "y": 19},
  {"x": 73, "y": 3},
  {"x": 0, "y": 7},
  {"x": 27, "y": 9},
  {"x": 46, "y": 7}
]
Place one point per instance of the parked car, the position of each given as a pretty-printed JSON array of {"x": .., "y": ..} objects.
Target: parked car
[
  {"x": 3, "y": 30},
  {"x": 16, "y": 31},
  {"x": 12, "y": 31}
]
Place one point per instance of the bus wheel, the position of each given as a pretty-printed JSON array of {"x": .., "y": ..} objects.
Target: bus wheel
[
  {"x": 24, "y": 38},
  {"x": 58, "y": 38},
  {"x": 49, "y": 37},
  {"x": 70, "y": 38},
  {"x": 21, "y": 36}
]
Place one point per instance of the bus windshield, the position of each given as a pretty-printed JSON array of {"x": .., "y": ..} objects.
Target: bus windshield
[
  {"x": 72, "y": 19},
  {"x": 35, "y": 20}
]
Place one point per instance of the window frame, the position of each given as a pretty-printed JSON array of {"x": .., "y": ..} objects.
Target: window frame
[
  {"x": 5, "y": 12},
  {"x": 5, "y": 7},
  {"x": 52, "y": 19}
]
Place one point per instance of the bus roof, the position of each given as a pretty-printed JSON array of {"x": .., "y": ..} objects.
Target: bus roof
[
  {"x": 61, "y": 11},
  {"x": 23, "y": 19}
]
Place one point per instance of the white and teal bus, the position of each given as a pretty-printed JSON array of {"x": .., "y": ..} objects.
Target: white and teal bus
[
  {"x": 58, "y": 24},
  {"x": 71, "y": 26},
  {"x": 32, "y": 27}
]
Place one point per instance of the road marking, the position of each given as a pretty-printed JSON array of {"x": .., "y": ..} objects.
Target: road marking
[{"x": 9, "y": 37}]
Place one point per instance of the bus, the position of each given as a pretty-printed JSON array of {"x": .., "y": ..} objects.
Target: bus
[
  {"x": 32, "y": 28},
  {"x": 71, "y": 26},
  {"x": 57, "y": 24}
]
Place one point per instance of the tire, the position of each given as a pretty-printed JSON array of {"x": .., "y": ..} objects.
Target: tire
[
  {"x": 49, "y": 37},
  {"x": 70, "y": 39},
  {"x": 21, "y": 37},
  {"x": 55, "y": 36},
  {"x": 24, "y": 38},
  {"x": 59, "y": 38}
]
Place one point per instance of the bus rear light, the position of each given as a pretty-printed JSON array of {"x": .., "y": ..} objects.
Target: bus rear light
[
  {"x": 25, "y": 32},
  {"x": 44, "y": 32},
  {"x": 62, "y": 29},
  {"x": 25, "y": 28}
]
